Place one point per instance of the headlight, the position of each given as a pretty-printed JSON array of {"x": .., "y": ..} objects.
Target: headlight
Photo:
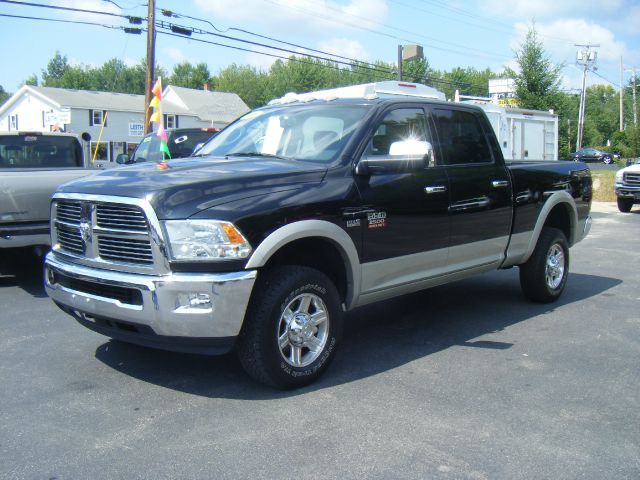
[
  {"x": 205, "y": 240},
  {"x": 619, "y": 174}
]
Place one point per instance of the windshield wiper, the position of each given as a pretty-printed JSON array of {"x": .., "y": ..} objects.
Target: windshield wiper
[{"x": 252, "y": 154}]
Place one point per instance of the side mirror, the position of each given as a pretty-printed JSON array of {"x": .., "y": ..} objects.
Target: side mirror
[
  {"x": 122, "y": 159},
  {"x": 404, "y": 156},
  {"x": 86, "y": 136}
]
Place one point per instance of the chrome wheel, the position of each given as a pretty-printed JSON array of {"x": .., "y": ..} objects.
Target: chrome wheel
[
  {"x": 554, "y": 271},
  {"x": 303, "y": 330}
]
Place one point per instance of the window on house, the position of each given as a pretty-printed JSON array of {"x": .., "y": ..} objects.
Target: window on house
[
  {"x": 96, "y": 117},
  {"x": 14, "y": 122},
  {"x": 170, "y": 121},
  {"x": 99, "y": 150}
]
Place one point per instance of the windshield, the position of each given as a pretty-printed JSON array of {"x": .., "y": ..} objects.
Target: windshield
[
  {"x": 315, "y": 132},
  {"x": 39, "y": 151},
  {"x": 180, "y": 142}
]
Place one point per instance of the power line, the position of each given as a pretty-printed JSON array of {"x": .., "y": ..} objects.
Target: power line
[
  {"x": 377, "y": 32},
  {"x": 353, "y": 63},
  {"x": 432, "y": 39},
  {"x": 135, "y": 20},
  {"x": 467, "y": 13},
  {"x": 79, "y": 22},
  {"x": 170, "y": 13},
  {"x": 273, "y": 55}
]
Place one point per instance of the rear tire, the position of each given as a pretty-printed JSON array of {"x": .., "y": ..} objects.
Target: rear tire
[
  {"x": 292, "y": 327},
  {"x": 625, "y": 204},
  {"x": 544, "y": 276}
]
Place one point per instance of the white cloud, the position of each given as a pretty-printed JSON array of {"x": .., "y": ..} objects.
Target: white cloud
[
  {"x": 546, "y": 9},
  {"x": 560, "y": 36},
  {"x": 344, "y": 47},
  {"x": 97, "y": 5},
  {"x": 175, "y": 54},
  {"x": 299, "y": 15}
]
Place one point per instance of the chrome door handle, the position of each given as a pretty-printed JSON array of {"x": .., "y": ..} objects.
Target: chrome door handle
[
  {"x": 500, "y": 183},
  {"x": 435, "y": 189}
]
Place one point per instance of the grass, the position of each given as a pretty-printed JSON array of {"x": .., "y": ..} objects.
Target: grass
[{"x": 603, "y": 181}]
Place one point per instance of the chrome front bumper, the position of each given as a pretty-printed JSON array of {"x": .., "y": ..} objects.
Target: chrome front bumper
[
  {"x": 165, "y": 310},
  {"x": 623, "y": 191}
]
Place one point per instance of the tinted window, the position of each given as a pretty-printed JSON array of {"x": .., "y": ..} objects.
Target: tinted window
[
  {"x": 39, "y": 151},
  {"x": 460, "y": 137},
  {"x": 402, "y": 125}
]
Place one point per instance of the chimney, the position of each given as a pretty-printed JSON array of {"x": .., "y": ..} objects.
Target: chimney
[{"x": 205, "y": 87}]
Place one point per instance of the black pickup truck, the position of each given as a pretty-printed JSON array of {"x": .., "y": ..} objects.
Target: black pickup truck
[{"x": 303, "y": 210}]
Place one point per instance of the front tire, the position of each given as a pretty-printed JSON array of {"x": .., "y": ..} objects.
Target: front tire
[
  {"x": 625, "y": 204},
  {"x": 608, "y": 160},
  {"x": 544, "y": 276},
  {"x": 292, "y": 327}
]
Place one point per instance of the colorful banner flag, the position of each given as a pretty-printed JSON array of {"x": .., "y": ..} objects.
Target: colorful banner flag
[{"x": 156, "y": 117}]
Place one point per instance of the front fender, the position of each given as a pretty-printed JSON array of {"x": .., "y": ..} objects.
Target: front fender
[{"x": 313, "y": 229}]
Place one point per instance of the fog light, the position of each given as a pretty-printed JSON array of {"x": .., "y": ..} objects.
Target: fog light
[
  {"x": 194, "y": 302},
  {"x": 51, "y": 277}
]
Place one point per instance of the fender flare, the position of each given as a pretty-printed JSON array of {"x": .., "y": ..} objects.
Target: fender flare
[
  {"x": 556, "y": 198},
  {"x": 313, "y": 229}
]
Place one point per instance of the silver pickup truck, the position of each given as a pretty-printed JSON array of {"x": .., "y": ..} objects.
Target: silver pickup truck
[{"x": 32, "y": 166}]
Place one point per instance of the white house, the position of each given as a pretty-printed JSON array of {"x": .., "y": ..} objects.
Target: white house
[{"x": 115, "y": 121}]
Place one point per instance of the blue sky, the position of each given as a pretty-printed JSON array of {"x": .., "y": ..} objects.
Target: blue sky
[{"x": 477, "y": 33}]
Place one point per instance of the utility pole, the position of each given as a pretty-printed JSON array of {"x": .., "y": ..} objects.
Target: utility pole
[
  {"x": 586, "y": 58},
  {"x": 400, "y": 62},
  {"x": 621, "y": 97},
  {"x": 635, "y": 109},
  {"x": 151, "y": 54},
  {"x": 633, "y": 94}
]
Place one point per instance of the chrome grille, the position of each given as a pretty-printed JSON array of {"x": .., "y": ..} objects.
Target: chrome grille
[
  {"x": 120, "y": 217},
  {"x": 125, "y": 250},
  {"x": 70, "y": 240},
  {"x": 69, "y": 212},
  {"x": 632, "y": 179},
  {"x": 103, "y": 232}
]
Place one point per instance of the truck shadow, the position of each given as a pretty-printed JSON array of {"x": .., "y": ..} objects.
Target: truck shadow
[
  {"x": 377, "y": 337},
  {"x": 21, "y": 267}
]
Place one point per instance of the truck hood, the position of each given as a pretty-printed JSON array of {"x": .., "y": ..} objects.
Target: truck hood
[
  {"x": 191, "y": 185},
  {"x": 632, "y": 168}
]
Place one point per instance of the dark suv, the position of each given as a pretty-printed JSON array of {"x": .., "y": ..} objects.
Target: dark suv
[{"x": 181, "y": 142}]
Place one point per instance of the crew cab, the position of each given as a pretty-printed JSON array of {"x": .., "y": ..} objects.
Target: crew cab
[
  {"x": 303, "y": 210},
  {"x": 32, "y": 166},
  {"x": 627, "y": 187}
]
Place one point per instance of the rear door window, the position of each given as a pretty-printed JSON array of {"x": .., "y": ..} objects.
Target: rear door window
[
  {"x": 39, "y": 151},
  {"x": 460, "y": 137}
]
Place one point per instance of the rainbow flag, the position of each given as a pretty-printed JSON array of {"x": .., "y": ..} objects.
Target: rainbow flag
[{"x": 156, "y": 116}]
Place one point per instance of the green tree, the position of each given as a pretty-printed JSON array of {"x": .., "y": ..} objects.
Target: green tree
[
  {"x": 32, "y": 80},
  {"x": 538, "y": 83},
  {"x": 56, "y": 68},
  {"x": 190, "y": 76},
  {"x": 246, "y": 81},
  {"x": 4, "y": 96}
]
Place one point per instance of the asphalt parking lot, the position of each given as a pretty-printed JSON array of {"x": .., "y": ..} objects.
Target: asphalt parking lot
[{"x": 464, "y": 381}]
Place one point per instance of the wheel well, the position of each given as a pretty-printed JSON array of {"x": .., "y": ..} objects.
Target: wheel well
[
  {"x": 316, "y": 253},
  {"x": 560, "y": 217}
]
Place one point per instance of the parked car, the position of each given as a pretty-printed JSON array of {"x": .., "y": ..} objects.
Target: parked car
[
  {"x": 627, "y": 187},
  {"x": 181, "y": 143},
  {"x": 32, "y": 166},
  {"x": 304, "y": 209},
  {"x": 593, "y": 155}
]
